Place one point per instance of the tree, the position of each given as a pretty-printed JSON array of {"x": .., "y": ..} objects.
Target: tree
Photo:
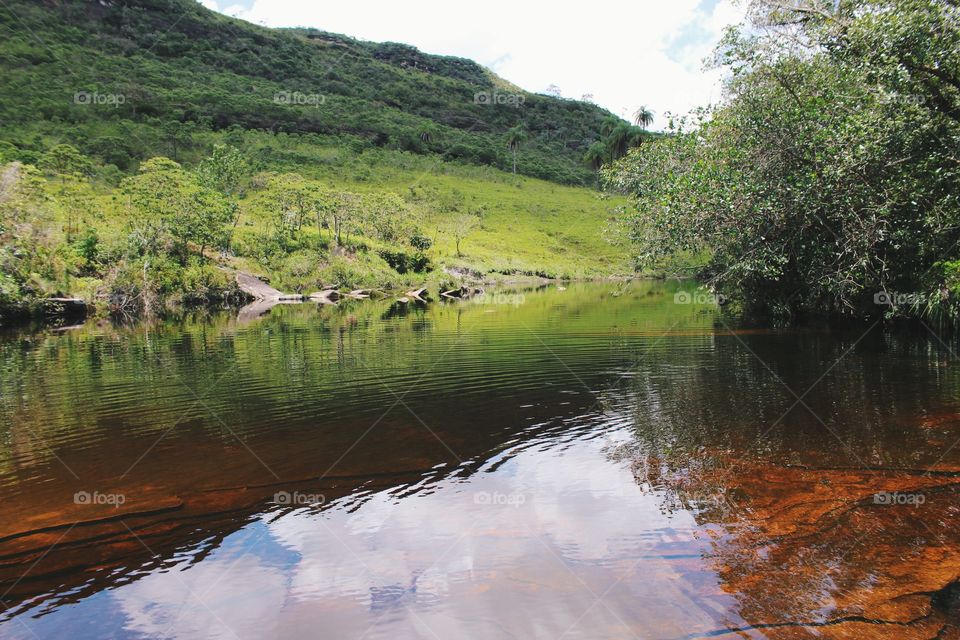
[
  {"x": 387, "y": 216},
  {"x": 178, "y": 135},
  {"x": 643, "y": 117},
  {"x": 21, "y": 195},
  {"x": 596, "y": 155},
  {"x": 461, "y": 226},
  {"x": 343, "y": 211},
  {"x": 170, "y": 210},
  {"x": 65, "y": 160},
  {"x": 515, "y": 138},
  {"x": 829, "y": 174},
  {"x": 608, "y": 125},
  {"x": 293, "y": 199},
  {"x": 224, "y": 170},
  {"x": 24, "y": 215}
]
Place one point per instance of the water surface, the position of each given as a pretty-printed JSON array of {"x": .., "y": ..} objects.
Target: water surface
[{"x": 595, "y": 461}]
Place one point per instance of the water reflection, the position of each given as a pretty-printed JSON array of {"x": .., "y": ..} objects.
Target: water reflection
[{"x": 592, "y": 463}]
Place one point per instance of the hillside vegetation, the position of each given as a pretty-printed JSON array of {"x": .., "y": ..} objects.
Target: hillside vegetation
[
  {"x": 334, "y": 218},
  {"x": 149, "y": 150},
  {"x": 124, "y": 81}
]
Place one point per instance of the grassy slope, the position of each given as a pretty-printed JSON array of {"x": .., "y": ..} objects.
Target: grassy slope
[
  {"x": 530, "y": 226},
  {"x": 180, "y": 69},
  {"x": 192, "y": 78}
]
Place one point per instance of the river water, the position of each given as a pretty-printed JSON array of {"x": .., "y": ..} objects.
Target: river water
[{"x": 607, "y": 460}]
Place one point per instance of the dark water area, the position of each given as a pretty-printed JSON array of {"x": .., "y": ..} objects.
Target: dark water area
[{"x": 592, "y": 461}]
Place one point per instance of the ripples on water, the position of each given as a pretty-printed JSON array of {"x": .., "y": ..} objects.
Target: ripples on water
[{"x": 594, "y": 462}]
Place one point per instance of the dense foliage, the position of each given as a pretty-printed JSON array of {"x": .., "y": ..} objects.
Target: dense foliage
[
  {"x": 312, "y": 217},
  {"x": 829, "y": 178},
  {"x": 128, "y": 80},
  {"x": 149, "y": 149}
]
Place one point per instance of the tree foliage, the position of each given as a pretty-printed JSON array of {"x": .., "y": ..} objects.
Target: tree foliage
[
  {"x": 152, "y": 78},
  {"x": 172, "y": 211},
  {"x": 65, "y": 160},
  {"x": 830, "y": 173}
]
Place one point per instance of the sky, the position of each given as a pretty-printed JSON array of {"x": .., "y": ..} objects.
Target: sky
[{"x": 623, "y": 53}]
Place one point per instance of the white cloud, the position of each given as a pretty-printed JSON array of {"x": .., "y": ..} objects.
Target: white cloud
[{"x": 624, "y": 53}]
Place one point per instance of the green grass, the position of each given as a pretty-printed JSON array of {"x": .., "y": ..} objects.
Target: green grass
[
  {"x": 528, "y": 226},
  {"x": 173, "y": 69},
  {"x": 393, "y": 120}
]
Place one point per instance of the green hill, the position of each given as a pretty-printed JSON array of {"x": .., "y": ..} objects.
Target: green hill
[
  {"x": 148, "y": 149},
  {"x": 130, "y": 80}
]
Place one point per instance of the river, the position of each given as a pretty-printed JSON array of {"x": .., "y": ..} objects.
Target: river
[{"x": 600, "y": 460}]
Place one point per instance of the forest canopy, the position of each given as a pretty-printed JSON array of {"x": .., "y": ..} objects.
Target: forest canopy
[{"x": 828, "y": 178}]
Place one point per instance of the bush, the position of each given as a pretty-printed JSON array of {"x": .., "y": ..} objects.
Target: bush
[
  {"x": 300, "y": 272},
  {"x": 403, "y": 262}
]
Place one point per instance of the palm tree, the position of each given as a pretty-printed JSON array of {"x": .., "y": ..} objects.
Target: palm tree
[
  {"x": 596, "y": 155},
  {"x": 643, "y": 117},
  {"x": 637, "y": 136},
  {"x": 618, "y": 140},
  {"x": 515, "y": 138},
  {"x": 609, "y": 124},
  {"x": 619, "y": 137}
]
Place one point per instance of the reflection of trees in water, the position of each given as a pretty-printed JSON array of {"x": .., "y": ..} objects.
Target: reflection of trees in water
[
  {"x": 874, "y": 406},
  {"x": 798, "y": 536}
]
